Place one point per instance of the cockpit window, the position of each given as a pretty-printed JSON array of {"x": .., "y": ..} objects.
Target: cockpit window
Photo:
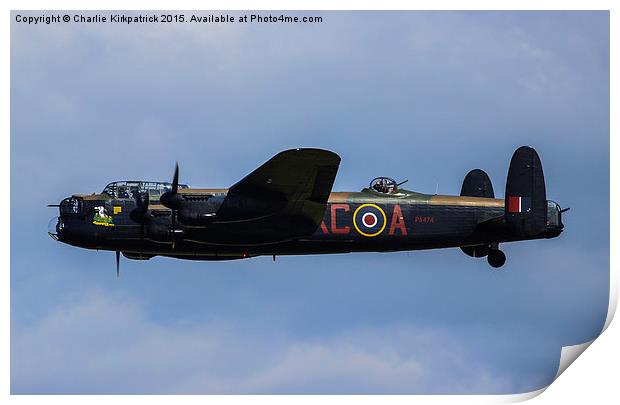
[
  {"x": 383, "y": 185},
  {"x": 130, "y": 189}
]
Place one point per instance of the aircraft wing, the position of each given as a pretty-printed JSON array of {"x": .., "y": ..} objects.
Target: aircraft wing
[{"x": 286, "y": 195}]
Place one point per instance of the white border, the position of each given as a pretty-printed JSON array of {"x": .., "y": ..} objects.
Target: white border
[
  {"x": 374, "y": 216},
  {"x": 592, "y": 379}
]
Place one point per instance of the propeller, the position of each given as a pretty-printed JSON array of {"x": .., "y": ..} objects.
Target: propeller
[
  {"x": 118, "y": 262},
  {"x": 170, "y": 199},
  {"x": 140, "y": 213}
]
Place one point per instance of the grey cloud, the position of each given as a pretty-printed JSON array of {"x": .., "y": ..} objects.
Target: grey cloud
[{"x": 99, "y": 342}]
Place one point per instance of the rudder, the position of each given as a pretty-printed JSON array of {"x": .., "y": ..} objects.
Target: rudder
[
  {"x": 477, "y": 184},
  {"x": 526, "y": 198}
]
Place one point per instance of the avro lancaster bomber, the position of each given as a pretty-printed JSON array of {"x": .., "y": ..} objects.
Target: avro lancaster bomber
[{"x": 287, "y": 207}]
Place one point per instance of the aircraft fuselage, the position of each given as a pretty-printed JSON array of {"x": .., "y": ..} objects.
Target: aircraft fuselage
[{"x": 364, "y": 221}]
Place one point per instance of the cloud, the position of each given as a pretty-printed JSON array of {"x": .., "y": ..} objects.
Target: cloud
[
  {"x": 418, "y": 79},
  {"x": 104, "y": 343}
]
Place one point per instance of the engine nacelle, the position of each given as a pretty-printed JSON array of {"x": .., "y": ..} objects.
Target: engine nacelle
[
  {"x": 137, "y": 256},
  {"x": 476, "y": 251}
]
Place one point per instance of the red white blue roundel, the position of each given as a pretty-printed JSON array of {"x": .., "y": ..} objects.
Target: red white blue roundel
[{"x": 369, "y": 220}]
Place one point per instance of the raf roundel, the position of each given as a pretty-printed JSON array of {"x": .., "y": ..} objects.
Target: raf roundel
[{"x": 369, "y": 220}]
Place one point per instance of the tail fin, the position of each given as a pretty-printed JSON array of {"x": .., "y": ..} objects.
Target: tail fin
[
  {"x": 477, "y": 184},
  {"x": 526, "y": 198}
]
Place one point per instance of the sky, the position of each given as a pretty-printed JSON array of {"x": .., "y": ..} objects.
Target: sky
[{"x": 424, "y": 96}]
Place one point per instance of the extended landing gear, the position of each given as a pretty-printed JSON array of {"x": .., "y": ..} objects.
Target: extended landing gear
[{"x": 496, "y": 258}]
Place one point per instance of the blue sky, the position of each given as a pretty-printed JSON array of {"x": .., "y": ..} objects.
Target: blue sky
[{"x": 420, "y": 95}]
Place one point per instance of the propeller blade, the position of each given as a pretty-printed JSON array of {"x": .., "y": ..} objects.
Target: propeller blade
[
  {"x": 118, "y": 261},
  {"x": 175, "y": 179},
  {"x": 141, "y": 202},
  {"x": 169, "y": 199},
  {"x": 174, "y": 227},
  {"x": 140, "y": 213},
  {"x": 144, "y": 205}
]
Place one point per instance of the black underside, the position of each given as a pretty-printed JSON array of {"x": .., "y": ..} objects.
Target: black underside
[{"x": 423, "y": 226}]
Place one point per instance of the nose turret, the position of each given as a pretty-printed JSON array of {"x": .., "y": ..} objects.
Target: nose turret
[
  {"x": 69, "y": 226},
  {"x": 54, "y": 227}
]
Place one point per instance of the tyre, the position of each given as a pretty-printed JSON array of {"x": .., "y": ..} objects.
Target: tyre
[{"x": 496, "y": 258}]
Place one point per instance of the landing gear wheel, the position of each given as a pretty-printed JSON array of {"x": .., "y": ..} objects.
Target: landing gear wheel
[{"x": 496, "y": 258}]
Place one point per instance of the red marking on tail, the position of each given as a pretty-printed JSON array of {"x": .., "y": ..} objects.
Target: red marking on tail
[{"x": 514, "y": 204}]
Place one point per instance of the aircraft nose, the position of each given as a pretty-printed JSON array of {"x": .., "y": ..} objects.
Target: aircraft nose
[{"x": 54, "y": 227}]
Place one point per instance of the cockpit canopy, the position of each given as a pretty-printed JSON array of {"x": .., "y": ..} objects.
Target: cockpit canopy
[
  {"x": 129, "y": 189},
  {"x": 383, "y": 185}
]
